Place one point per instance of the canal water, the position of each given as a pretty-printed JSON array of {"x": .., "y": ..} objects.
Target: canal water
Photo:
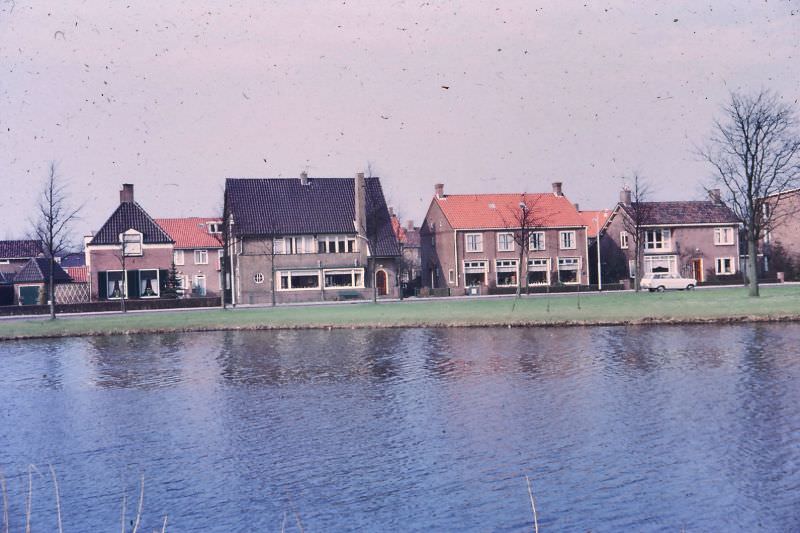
[{"x": 691, "y": 428}]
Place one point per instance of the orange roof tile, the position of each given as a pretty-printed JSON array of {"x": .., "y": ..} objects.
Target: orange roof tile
[
  {"x": 399, "y": 230},
  {"x": 78, "y": 274},
  {"x": 487, "y": 211},
  {"x": 588, "y": 220},
  {"x": 190, "y": 233}
]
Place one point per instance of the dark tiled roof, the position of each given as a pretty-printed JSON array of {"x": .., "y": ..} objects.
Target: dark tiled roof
[
  {"x": 283, "y": 206},
  {"x": 20, "y": 249},
  {"x": 704, "y": 212},
  {"x": 78, "y": 259},
  {"x": 6, "y": 278},
  {"x": 130, "y": 215},
  {"x": 37, "y": 270}
]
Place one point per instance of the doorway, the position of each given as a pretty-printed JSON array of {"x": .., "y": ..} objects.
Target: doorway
[
  {"x": 697, "y": 270},
  {"x": 381, "y": 283}
]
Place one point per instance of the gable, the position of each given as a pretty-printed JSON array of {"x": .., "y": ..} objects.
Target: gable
[{"x": 130, "y": 216}]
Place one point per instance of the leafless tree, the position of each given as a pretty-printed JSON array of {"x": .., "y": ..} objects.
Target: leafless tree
[
  {"x": 54, "y": 216},
  {"x": 637, "y": 215},
  {"x": 522, "y": 220},
  {"x": 755, "y": 153}
]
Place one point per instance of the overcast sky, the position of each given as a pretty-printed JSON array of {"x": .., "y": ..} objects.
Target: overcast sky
[{"x": 507, "y": 96}]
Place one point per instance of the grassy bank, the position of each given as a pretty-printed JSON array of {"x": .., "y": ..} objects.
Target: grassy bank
[{"x": 776, "y": 303}]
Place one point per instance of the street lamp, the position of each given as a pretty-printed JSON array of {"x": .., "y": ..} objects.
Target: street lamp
[{"x": 596, "y": 221}]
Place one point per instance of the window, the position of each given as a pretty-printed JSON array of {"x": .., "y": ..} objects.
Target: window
[
  {"x": 215, "y": 227},
  {"x": 451, "y": 276},
  {"x": 219, "y": 259},
  {"x": 115, "y": 285},
  {"x": 566, "y": 240},
  {"x": 278, "y": 247},
  {"x": 201, "y": 257},
  {"x": 132, "y": 244},
  {"x": 724, "y": 265},
  {"x": 661, "y": 263},
  {"x": 632, "y": 268},
  {"x": 298, "y": 280},
  {"x": 258, "y": 277},
  {"x": 538, "y": 271},
  {"x": 199, "y": 285},
  {"x": 623, "y": 240},
  {"x": 474, "y": 242},
  {"x": 344, "y": 278},
  {"x": 474, "y": 273},
  {"x": 569, "y": 269},
  {"x": 178, "y": 257},
  {"x": 537, "y": 241},
  {"x": 332, "y": 244},
  {"x": 506, "y": 273},
  {"x": 505, "y": 242},
  {"x": 5, "y": 261},
  {"x": 723, "y": 236},
  {"x": 148, "y": 283},
  {"x": 657, "y": 239}
]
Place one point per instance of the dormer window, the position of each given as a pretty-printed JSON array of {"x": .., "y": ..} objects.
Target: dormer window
[
  {"x": 215, "y": 227},
  {"x": 131, "y": 243}
]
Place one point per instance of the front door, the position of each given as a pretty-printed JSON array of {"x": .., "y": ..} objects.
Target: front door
[
  {"x": 28, "y": 295},
  {"x": 381, "y": 282},
  {"x": 697, "y": 270}
]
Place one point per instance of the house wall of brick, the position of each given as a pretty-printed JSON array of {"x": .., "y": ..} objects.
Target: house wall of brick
[
  {"x": 102, "y": 260},
  {"x": 787, "y": 231},
  {"x": 436, "y": 248},
  {"x": 210, "y": 270}
]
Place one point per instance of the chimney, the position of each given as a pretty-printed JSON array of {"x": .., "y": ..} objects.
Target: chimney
[
  {"x": 557, "y": 188},
  {"x": 360, "y": 205},
  {"x": 410, "y": 225},
  {"x": 715, "y": 196},
  {"x": 577, "y": 207},
  {"x": 391, "y": 211},
  {"x": 625, "y": 196},
  {"x": 439, "y": 188},
  {"x": 126, "y": 194}
]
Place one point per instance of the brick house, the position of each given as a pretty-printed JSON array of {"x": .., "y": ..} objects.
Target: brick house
[
  {"x": 197, "y": 253},
  {"x": 781, "y": 244},
  {"x": 411, "y": 254},
  {"x": 697, "y": 239},
  {"x": 309, "y": 239},
  {"x": 130, "y": 254},
  {"x": 468, "y": 241}
]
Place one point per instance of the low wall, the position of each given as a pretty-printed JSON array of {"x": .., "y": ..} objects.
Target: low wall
[
  {"x": 556, "y": 289},
  {"x": 94, "y": 307}
]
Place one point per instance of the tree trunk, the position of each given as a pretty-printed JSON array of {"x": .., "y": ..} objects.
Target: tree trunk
[
  {"x": 637, "y": 278},
  {"x": 519, "y": 277},
  {"x": 52, "y": 291},
  {"x": 752, "y": 265},
  {"x": 272, "y": 283}
]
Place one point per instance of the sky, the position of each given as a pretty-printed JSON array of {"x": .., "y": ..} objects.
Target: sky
[{"x": 509, "y": 96}]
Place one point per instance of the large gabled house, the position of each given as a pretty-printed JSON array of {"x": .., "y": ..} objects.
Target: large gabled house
[
  {"x": 697, "y": 239},
  {"x": 309, "y": 239},
  {"x": 469, "y": 244},
  {"x": 197, "y": 253},
  {"x": 130, "y": 255}
]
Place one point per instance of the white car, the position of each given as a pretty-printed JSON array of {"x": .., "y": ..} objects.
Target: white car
[{"x": 663, "y": 281}]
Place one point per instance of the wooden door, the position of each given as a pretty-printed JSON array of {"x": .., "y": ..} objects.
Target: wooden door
[{"x": 381, "y": 282}]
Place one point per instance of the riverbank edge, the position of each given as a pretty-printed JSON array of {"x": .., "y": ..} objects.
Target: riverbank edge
[{"x": 647, "y": 321}]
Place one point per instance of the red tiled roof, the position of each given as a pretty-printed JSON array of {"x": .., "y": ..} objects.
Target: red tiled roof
[
  {"x": 399, "y": 230},
  {"x": 588, "y": 220},
  {"x": 78, "y": 274},
  {"x": 190, "y": 233},
  {"x": 487, "y": 211}
]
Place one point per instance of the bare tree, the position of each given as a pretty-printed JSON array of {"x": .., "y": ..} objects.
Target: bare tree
[
  {"x": 54, "y": 216},
  {"x": 755, "y": 153},
  {"x": 522, "y": 220},
  {"x": 637, "y": 215}
]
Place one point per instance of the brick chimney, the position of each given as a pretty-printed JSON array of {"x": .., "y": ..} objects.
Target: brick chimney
[
  {"x": 126, "y": 194},
  {"x": 715, "y": 195},
  {"x": 625, "y": 196},
  {"x": 304, "y": 178},
  {"x": 577, "y": 206},
  {"x": 360, "y": 204},
  {"x": 439, "y": 188},
  {"x": 557, "y": 188}
]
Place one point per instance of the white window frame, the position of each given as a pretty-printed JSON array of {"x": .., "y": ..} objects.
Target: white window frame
[
  {"x": 258, "y": 278},
  {"x": 662, "y": 243},
  {"x": 567, "y": 240},
  {"x": 477, "y": 242},
  {"x": 201, "y": 257},
  {"x": 719, "y": 236},
  {"x": 539, "y": 264},
  {"x": 214, "y": 227},
  {"x": 220, "y": 256},
  {"x": 571, "y": 264},
  {"x": 178, "y": 257},
  {"x": 672, "y": 261},
  {"x": 719, "y": 261},
  {"x": 124, "y": 285},
  {"x": 537, "y": 237},
  {"x": 333, "y": 243},
  {"x": 623, "y": 240},
  {"x": 156, "y": 289},
  {"x": 510, "y": 247},
  {"x": 290, "y": 273},
  {"x": 505, "y": 266},
  {"x": 132, "y": 248},
  {"x": 195, "y": 283},
  {"x": 476, "y": 267},
  {"x": 451, "y": 276},
  {"x": 351, "y": 271}
]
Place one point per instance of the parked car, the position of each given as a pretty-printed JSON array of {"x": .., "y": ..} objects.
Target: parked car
[{"x": 663, "y": 281}]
